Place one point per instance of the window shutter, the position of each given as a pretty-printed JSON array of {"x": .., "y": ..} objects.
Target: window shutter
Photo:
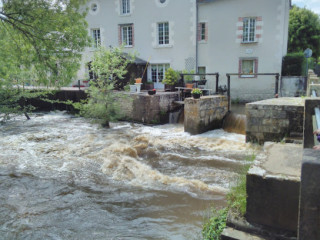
[
  {"x": 206, "y": 31},
  {"x": 256, "y": 66},
  {"x": 132, "y": 26},
  {"x": 199, "y": 32},
  {"x": 119, "y": 35}
]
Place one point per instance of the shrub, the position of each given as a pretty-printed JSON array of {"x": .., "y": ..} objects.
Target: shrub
[
  {"x": 171, "y": 77},
  {"x": 215, "y": 225},
  {"x": 293, "y": 64}
]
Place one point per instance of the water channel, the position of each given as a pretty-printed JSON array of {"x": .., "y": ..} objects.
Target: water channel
[{"x": 62, "y": 177}]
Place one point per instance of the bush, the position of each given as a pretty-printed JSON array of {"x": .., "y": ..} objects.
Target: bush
[
  {"x": 171, "y": 77},
  {"x": 213, "y": 228},
  {"x": 293, "y": 64}
]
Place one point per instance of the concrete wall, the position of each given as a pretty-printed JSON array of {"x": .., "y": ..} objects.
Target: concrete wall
[
  {"x": 273, "y": 186},
  {"x": 274, "y": 119},
  {"x": 309, "y": 217},
  {"x": 206, "y": 113},
  {"x": 150, "y": 109},
  {"x": 292, "y": 86}
]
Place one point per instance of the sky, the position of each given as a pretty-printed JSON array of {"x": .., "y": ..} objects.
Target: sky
[{"x": 313, "y": 5}]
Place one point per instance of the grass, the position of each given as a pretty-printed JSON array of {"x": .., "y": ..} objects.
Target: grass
[{"x": 237, "y": 203}]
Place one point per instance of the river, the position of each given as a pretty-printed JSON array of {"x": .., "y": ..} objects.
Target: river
[{"x": 62, "y": 177}]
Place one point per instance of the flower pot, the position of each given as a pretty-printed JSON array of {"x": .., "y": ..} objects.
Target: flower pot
[
  {"x": 151, "y": 92},
  {"x": 170, "y": 88},
  {"x": 138, "y": 80},
  {"x": 149, "y": 86},
  {"x": 189, "y": 85},
  {"x": 133, "y": 88},
  {"x": 196, "y": 95}
]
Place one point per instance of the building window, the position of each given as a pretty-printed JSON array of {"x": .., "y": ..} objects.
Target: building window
[
  {"x": 158, "y": 71},
  {"x": 248, "y": 67},
  {"x": 125, "y": 7},
  {"x": 202, "y": 32},
  {"x": 249, "y": 26},
  {"x": 127, "y": 35},
  {"x": 95, "y": 34},
  {"x": 163, "y": 33},
  {"x": 202, "y": 70}
]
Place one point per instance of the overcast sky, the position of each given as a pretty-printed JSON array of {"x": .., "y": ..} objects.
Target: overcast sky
[{"x": 313, "y": 5}]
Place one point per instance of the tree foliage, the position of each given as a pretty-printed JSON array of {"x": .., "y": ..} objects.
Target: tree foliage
[
  {"x": 304, "y": 31},
  {"x": 109, "y": 65},
  {"x": 40, "y": 44},
  {"x": 43, "y": 37}
]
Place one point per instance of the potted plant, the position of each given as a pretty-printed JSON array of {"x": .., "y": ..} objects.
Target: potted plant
[
  {"x": 196, "y": 93},
  {"x": 188, "y": 79},
  {"x": 171, "y": 78},
  {"x": 152, "y": 92},
  {"x": 133, "y": 87},
  {"x": 149, "y": 85}
]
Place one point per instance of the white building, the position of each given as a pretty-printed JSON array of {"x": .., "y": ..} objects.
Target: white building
[{"x": 225, "y": 36}]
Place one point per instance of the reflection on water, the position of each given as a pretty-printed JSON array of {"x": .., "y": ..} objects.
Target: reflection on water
[{"x": 64, "y": 178}]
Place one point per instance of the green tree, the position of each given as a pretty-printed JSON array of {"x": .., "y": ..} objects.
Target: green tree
[
  {"x": 304, "y": 31},
  {"x": 109, "y": 65},
  {"x": 40, "y": 44}
]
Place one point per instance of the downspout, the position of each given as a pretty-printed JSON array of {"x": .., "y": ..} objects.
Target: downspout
[{"x": 197, "y": 46}]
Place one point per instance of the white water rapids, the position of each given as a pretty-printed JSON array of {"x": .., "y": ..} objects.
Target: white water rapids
[{"x": 62, "y": 177}]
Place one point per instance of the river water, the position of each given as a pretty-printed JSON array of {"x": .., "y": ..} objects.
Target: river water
[{"x": 62, "y": 177}]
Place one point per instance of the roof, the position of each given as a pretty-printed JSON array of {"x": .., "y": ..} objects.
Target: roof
[{"x": 137, "y": 60}]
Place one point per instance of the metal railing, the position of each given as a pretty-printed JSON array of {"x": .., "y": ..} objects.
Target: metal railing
[
  {"x": 277, "y": 77},
  {"x": 202, "y": 74}
]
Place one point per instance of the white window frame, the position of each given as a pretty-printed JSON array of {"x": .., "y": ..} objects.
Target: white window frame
[
  {"x": 203, "y": 30},
  {"x": 96, "y": 37},
  {"x": 158, "y": 76},
  {"x": 254, "y": 67},
  {"x": 249, "y": 30},
  {"x": 125, "y": 7},
  {"x": 163, "y": 33},
  {"x": 127, "y": 35}
]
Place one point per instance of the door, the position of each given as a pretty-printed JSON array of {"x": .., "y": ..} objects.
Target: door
[{"x": 157, "y": 75}]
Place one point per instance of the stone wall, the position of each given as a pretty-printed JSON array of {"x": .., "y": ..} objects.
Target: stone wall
[
  {"x": 206, "y": 113},
  {"x": 309, "y": 217},
  {"x": 150, "y": 109},
  {"x": 273, "y": 186},
  {"x": 274, "y": 119}
]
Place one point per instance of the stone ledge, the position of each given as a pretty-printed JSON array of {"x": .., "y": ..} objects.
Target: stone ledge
[{"x": 273, "y": 186}]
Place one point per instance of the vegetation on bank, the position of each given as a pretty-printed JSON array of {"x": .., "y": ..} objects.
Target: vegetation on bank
[
  {"x": 236, "y": 203},
  {"x": 37, "y": 50},
  {"x": 108, "y": 65}
]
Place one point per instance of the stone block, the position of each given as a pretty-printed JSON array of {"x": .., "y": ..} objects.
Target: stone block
[
  {"x": 276, "y": 118},
  {"x": 273, "y": 187},
  {"x": 204, "y": 114},
  {"x": 309, "y": 218}
]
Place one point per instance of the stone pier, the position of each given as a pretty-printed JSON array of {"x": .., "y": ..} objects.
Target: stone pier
[
  {"x": 150, "y": 109},
  {"x": 274, "y": 119},
  {"x": 204, "y": 114}
]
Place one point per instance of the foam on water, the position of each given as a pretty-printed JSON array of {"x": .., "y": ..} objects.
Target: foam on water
[{"x": 158, "y": 167}]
